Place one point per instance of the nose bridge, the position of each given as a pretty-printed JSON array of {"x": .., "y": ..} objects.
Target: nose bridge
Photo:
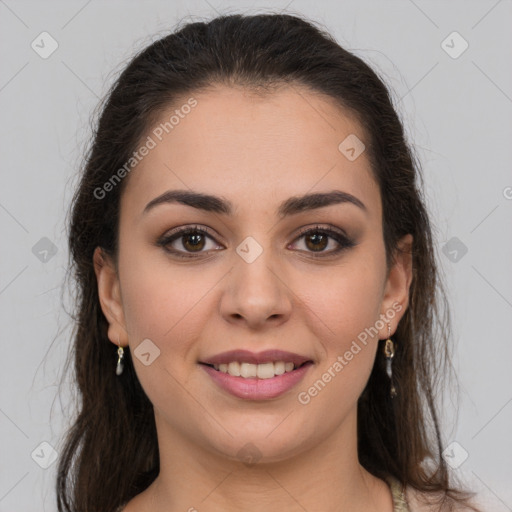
[{"x": 257, "y": 290}]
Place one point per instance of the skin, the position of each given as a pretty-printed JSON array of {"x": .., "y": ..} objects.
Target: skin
[{"x": 255, "y": 151}]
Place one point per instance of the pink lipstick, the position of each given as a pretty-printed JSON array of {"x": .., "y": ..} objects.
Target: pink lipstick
[{"x": 256, "y": 376}]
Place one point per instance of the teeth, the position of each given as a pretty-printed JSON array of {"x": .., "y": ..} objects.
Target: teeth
[
  {"x": 279, "y": 368},
  {"x": 249, "y": 370},
  {"x": 233, "y": 369},
  {"x": 265, "y": 370}
]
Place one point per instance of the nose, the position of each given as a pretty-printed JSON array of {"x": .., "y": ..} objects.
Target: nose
[{"x": 257, "y": 294}]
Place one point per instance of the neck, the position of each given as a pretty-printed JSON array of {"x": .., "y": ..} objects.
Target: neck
[{"x": 326, "y": 477}]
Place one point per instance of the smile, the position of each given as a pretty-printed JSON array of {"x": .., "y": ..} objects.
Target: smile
[
  {"x": 256, "y": 375},
  {"x": 260, "y": 371}
]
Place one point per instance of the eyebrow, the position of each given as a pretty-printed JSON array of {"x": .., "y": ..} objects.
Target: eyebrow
[{"x": 291, "y": 206}]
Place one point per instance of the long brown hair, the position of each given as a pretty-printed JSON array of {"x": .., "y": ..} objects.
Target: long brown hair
[{"x": 110, "y": 453}]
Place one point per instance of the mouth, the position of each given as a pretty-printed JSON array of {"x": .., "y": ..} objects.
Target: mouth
[
  {"x": 267, "y": 370},
  {"x": 257, "y": 376}
]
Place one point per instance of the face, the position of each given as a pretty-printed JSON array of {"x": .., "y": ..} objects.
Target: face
[{"x": 262, "y": 269}]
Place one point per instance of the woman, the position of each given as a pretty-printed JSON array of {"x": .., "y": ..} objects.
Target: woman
[{"x": 258, "y": 305}]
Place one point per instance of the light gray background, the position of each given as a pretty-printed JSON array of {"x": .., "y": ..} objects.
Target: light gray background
[{"x": 457, "y": 112}]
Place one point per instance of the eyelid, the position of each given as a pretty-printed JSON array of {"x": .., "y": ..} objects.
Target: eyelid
[
  {"x": 317, "y": 227},
  {"x": 188, "y": 228}
]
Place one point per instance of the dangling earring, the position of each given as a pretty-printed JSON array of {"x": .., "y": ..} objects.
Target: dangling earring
[
  {"x": 389, "y": 351},
  {"x": 120, "y": 355}
]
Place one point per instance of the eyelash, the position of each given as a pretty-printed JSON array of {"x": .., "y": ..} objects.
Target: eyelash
[{"x": 343, "y": 240}]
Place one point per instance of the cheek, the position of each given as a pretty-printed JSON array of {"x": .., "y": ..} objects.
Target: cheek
[
  {"x": 166, "y": 308},
  {"x": 348, "y": 354},
  {"x": 344, "y": 315},
  {"x": 346, "y": 300},
  {"x": 157, "y": 295}
]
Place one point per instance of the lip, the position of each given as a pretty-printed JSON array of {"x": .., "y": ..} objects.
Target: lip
[
  {"x": 267, "y": 356},
  {"x": 254, "y": 388}
]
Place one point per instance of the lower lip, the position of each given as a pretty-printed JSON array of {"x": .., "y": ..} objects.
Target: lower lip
[{"x": 257, "y": 389}]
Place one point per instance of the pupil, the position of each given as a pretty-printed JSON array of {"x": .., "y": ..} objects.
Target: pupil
[
  {"x": 196, "y": 240},
  {"x": 318, "y": 239}
]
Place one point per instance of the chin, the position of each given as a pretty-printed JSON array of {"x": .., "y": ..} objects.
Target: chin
[{"x": 262, "y": 446}]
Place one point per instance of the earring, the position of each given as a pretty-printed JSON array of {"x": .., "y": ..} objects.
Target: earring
[
  {"x": 389, "y": 351},
  {"x": 120, "y": 355}
]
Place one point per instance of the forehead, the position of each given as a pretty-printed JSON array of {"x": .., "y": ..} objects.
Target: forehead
[{"x": 252, "y": 148}]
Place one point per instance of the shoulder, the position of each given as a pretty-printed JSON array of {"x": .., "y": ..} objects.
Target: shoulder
[
  {"x": 409, "y": 499},
  {"x": 135, "y": 504},
  {"x": 419, "y": 501}
]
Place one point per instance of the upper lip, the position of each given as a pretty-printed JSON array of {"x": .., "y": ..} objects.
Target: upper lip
[{"x": 245, "y": 356}]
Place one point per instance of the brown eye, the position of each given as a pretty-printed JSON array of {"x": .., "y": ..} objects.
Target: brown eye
[
  {"x": 317, "y": 239},
  {"x": 193, "y": 241},
  {"x": 185, "y": 242}
]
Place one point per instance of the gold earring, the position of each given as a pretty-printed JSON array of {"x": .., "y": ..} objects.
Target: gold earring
[
  {"x": 389, "y": 352},
  {"x": 120, "y": 355}
]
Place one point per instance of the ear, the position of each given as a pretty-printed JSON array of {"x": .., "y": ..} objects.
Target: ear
[
  {"x": 110, "y": 296},
  {"x": 398, "y": 282}
]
